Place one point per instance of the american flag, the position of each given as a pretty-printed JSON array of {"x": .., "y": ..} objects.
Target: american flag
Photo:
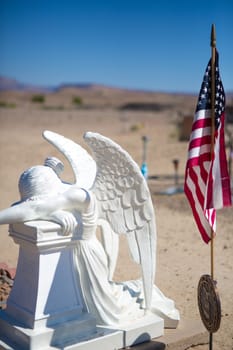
[{"x": 207, "y": 183}]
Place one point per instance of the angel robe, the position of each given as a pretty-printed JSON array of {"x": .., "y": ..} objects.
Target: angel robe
[{"x": 111, "y": 303}]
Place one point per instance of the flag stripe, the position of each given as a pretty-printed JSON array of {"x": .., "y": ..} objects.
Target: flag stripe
[
  {"x": 202, "y": 123},
  {"x": 199, "y": 159},
  {"x": 200, "y": 142},
  {"x": 200, "y": 219}
]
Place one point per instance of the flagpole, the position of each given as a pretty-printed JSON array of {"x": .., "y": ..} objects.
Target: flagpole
[
  {"x": 213, "y": 57},
  {"x": 214, "y": 185}
]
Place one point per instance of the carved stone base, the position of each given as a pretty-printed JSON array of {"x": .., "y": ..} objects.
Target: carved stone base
[
  {"x": 15, "y": 336},
  {"x": 45, "y": 309},
  {"x": 76, "y": 335},
  {"x": 143, "y": 330},
  {"x": 45, "y": 306}
]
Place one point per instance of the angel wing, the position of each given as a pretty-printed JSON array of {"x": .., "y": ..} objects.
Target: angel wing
[
  {"x": 82, "y": 164},
  {"x": 84, "y": 169},
  {"x": 124, "y": 201}
]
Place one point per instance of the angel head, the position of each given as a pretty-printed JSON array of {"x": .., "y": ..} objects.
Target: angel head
[{"x": 41, "y": 180}]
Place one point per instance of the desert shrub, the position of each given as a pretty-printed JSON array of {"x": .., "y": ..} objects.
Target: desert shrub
[
  {"x": 136, "y": 127},
  {"x": 77, "y": 101},
  {"x": 145, "y": 106},
  {"x": 4, "y": 104},
  {"x": 38, "y": 98}
]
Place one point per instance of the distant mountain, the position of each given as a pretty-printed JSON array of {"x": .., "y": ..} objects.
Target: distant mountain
[
  {"x": 74, "y": 85},
  {"x": 9, "y": 84}
]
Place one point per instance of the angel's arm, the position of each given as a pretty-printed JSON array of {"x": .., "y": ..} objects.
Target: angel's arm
[
  {"x": 74, "y": 198},
  {"x": 27, "y": 211},
  {"x": 20, "y": 212}
]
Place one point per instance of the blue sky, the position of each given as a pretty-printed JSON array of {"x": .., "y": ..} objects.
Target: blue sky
[{"x": 154, "y": 45}]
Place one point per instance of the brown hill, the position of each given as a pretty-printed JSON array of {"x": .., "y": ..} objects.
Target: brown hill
[{"x": 72, "y": 96}]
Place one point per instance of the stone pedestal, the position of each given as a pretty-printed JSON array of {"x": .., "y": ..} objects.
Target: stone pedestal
[
  {"x": 45, "y": 309},
  {"x": 45, "y": 305}
]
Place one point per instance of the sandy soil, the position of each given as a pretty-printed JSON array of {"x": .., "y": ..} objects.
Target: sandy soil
[{"x": 182, "y": 257}]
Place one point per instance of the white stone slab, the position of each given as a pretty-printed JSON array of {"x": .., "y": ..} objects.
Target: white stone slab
[
  {"x": 101, "y": 339},
  {"x": 20, "y": 337},
  {"x": 143, "y": 330},
  {"x": 48, "y": 338},
  {"x": 69, "y": 337}
]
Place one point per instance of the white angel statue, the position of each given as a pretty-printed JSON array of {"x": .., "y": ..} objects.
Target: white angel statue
[{"x": 109, "y": 192}]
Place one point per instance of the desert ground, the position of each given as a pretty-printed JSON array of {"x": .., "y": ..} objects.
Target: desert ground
[{"x": 182, "y": 256}]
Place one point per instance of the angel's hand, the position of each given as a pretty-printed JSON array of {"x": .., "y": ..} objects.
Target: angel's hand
[{"x": 66, "y": 219}]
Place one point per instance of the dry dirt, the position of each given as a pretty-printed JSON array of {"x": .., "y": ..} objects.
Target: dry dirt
[{"x": 182, "y": 257}]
